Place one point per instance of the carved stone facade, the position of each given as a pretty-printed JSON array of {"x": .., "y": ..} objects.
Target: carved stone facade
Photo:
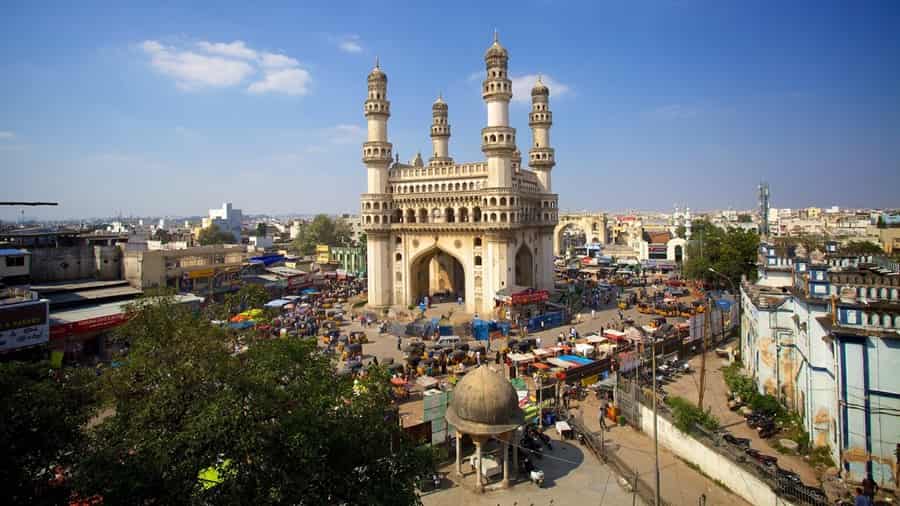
[{"x": 461, "y": 229}]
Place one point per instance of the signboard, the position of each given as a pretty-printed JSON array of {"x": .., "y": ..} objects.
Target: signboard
[
  {"x": 530, "y": 297},
  {"x": 85, "y": 326},
  {"x": 23, "y": 325},
  {"x": 323, "y": 254},
  {"x": 628, "y": 361},
  {"x": 202, "y": 273}
]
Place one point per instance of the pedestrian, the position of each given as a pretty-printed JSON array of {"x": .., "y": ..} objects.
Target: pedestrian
[
  {"x": 459, "y": 301},
  {"x": 399, "y": 343},
  {"x": 593, "y": 314},
  {"x": 869, "y": 488},
  {"x": 861, "y": 499},
  {"x": 478, "y": 357},
  {"x": 603, "y": 407},
  {"x": 497, "y": 358},
  {"x": 375, "y": 360},
  {"x": 538, "y": 341}
]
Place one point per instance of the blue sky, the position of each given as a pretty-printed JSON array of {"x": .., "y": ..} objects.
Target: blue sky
[{"x": 171, "y": 110}]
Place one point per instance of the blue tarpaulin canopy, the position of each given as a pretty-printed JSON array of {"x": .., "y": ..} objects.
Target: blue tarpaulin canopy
[
  {"x": 277, "y": 303},
  {"x": 309, "y": 291},
  {"x": 267, "y": 260},
  {"x": 575, "y": 359}
]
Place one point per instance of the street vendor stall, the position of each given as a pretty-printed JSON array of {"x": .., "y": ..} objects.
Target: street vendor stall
[
  {"x": 558, "y": 362},
  {"x": 585, "y": 349}
]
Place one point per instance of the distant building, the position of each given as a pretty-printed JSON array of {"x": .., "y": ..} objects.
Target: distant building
[
  {"x": 67, "y": 255},
  {"x": 15, "y": 267},
  {"x": 200, "y": 270},
  {"x": 355, "y": 223},
  {"x": 351, "y": 258},
  {"x": 227, "y": 219}
]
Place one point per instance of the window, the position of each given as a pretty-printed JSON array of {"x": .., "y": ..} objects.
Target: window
[
  {"x": 477, "y": 242},
  {"x": 16, "y": 261},
  {"x": 477, "y": 260}
]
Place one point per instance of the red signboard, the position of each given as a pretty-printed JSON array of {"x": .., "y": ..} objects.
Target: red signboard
[
  {"x": 85, "y": 326},
  {"x": 530, "y": 297}
]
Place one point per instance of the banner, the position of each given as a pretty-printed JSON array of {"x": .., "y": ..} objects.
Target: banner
[
  {"x": 25, "y": 324},
  {"x": 530, "y": 297}
]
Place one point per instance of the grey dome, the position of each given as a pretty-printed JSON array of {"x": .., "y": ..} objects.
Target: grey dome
[{"x": 484, "y": 403}]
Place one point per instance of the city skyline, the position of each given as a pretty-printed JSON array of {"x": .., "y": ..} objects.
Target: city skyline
[{"x": 660, "y": 103}]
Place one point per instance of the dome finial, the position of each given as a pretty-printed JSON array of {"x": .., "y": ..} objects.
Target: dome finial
[
  {"x": 539, "y": 79},
  {"x": 496, "y": 36},
  {"x": 377, "y": 64}
]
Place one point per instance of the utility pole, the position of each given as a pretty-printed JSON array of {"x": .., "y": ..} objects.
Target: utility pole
[
  {"x": 655, "y": 425},
  {"x": 706, "y": 317}
]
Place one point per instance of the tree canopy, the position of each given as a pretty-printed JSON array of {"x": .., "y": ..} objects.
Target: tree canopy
[
  {"x": 278, "y": 424},
  {"x": 214, "y": 235},
  {"x": 41, "y": 415},
  {"x": 732, "y": 252},
  {"x": 861, "y": 248},
  {"x": 322, "y": 230}
]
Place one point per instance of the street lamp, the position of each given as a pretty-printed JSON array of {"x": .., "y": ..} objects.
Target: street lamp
[{"x": 737, "y": 295}]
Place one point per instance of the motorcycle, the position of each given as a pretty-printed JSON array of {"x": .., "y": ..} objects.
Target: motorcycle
[
  {"x": 532, "y": 446},
  {"x": 743, "y": 442},
  {"x": 766, "y": 460},
  {"x": 767, "y": 429},
  {"x": 534, "y": 433},
  {"x": 534, "y": 474}
]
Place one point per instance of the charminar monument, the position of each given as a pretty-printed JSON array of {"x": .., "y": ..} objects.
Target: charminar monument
[{"x": 466, "y": 230}]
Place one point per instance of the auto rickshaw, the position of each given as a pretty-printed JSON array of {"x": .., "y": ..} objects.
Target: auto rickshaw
[
  {"x": 622, "y": 303},
  {"x": 359, "y": 336},
  {"x": 352, "y": 351},
  {"x": 644, "y": 308},
  {"x": 657, "y": 322}
]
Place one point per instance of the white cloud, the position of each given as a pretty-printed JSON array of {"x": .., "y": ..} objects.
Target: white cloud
[
  {"x": 350, "y": 44},
  {"x": 236, "y": 49},
  {"x": 522, "y": 87},
  {"x": 347, "y": 134},
  {"x": 5, "y": 135},
  {"x": 194, "y": 70},
  {"x": 274, "y": 60},
  {"x": 291, "y": 81},
  {"x": 227, "y": 64}
]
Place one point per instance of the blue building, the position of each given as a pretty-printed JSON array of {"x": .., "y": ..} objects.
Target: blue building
[{"x": 827, "y": 345}]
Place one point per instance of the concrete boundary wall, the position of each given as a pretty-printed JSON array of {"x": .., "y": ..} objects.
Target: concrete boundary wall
[{"x": 715, "y": 465}]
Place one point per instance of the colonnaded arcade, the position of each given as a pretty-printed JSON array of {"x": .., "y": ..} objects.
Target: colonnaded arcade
[{"x": 461, "y": 229}]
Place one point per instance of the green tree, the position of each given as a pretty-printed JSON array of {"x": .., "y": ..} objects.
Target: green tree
[
  {"x": 862, "y": 248},
  {"x": 745, "y": 218},
  {"x": 41, "y": 420},
  {"x": 261, "y": 229},
  {"x": 731, "y": 252},
  {"x": 680, "y": 231},
  {"x": 322, "y": 230},
  {"x": 213, "y": 235},
  {"x": 276, "y": 421},
  {"x": 162, "y": 235}
]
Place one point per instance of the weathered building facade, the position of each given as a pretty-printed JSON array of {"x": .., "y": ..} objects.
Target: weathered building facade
[{"x": 827, "y": 344}]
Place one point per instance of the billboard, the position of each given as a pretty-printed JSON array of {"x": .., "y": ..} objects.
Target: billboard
[{"x": 23, "y": 325}]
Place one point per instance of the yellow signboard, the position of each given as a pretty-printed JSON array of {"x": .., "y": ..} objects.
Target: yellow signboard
[
  {"x": 323, "y": 254},
  {"x": 202, "y": 273}
]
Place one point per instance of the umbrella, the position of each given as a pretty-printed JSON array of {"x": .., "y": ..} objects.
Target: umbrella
[
  {"x": 458, "y": 355},
  {"x": 462, "y": 346}
]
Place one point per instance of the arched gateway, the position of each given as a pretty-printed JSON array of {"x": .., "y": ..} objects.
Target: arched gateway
[{"x": 464, "y": 229}]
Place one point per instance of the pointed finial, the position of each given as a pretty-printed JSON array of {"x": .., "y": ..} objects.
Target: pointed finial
[
  {"x": 496, "y": 37},
  {"x": 539, "y": 78},
  {"x": 377, "y": 65},
  {"x": 440, "y": 95}
]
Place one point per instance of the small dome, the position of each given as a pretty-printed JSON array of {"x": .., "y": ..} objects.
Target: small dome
[
  {"x": 377, "y": 74},
  {"x": 540, "y": 89},
  {"x": 439, "y": 104},
  {"x": 496, "y": 49},
  {"x": 484, "y": 403}
]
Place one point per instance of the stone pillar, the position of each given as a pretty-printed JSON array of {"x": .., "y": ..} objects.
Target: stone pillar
[
  {"x": 505, "y": 483},
  {"x": 458, "y": 453},
  {"x": 515, "y": 457},
  {"x": 479, "y": 485}
]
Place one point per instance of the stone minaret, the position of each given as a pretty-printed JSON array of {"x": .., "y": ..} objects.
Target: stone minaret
[
  {"x": 376, "y": 202},
  {"x": 541, "y": 156},
  {"x": 377, "y": 150},
  {"x": 498, "y": 139},
  {"x": 440, "y": 133}
]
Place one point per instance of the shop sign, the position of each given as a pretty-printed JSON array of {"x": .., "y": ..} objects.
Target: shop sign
[
  {"x": 25, "y": 324},
  {"x": 530, "y": 297},
  {"x": 86, "y": 326},
  {"x": 202, "y": 273}
]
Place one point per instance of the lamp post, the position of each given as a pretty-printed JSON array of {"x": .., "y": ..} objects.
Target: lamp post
[{"x": 737, "y": 295}]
